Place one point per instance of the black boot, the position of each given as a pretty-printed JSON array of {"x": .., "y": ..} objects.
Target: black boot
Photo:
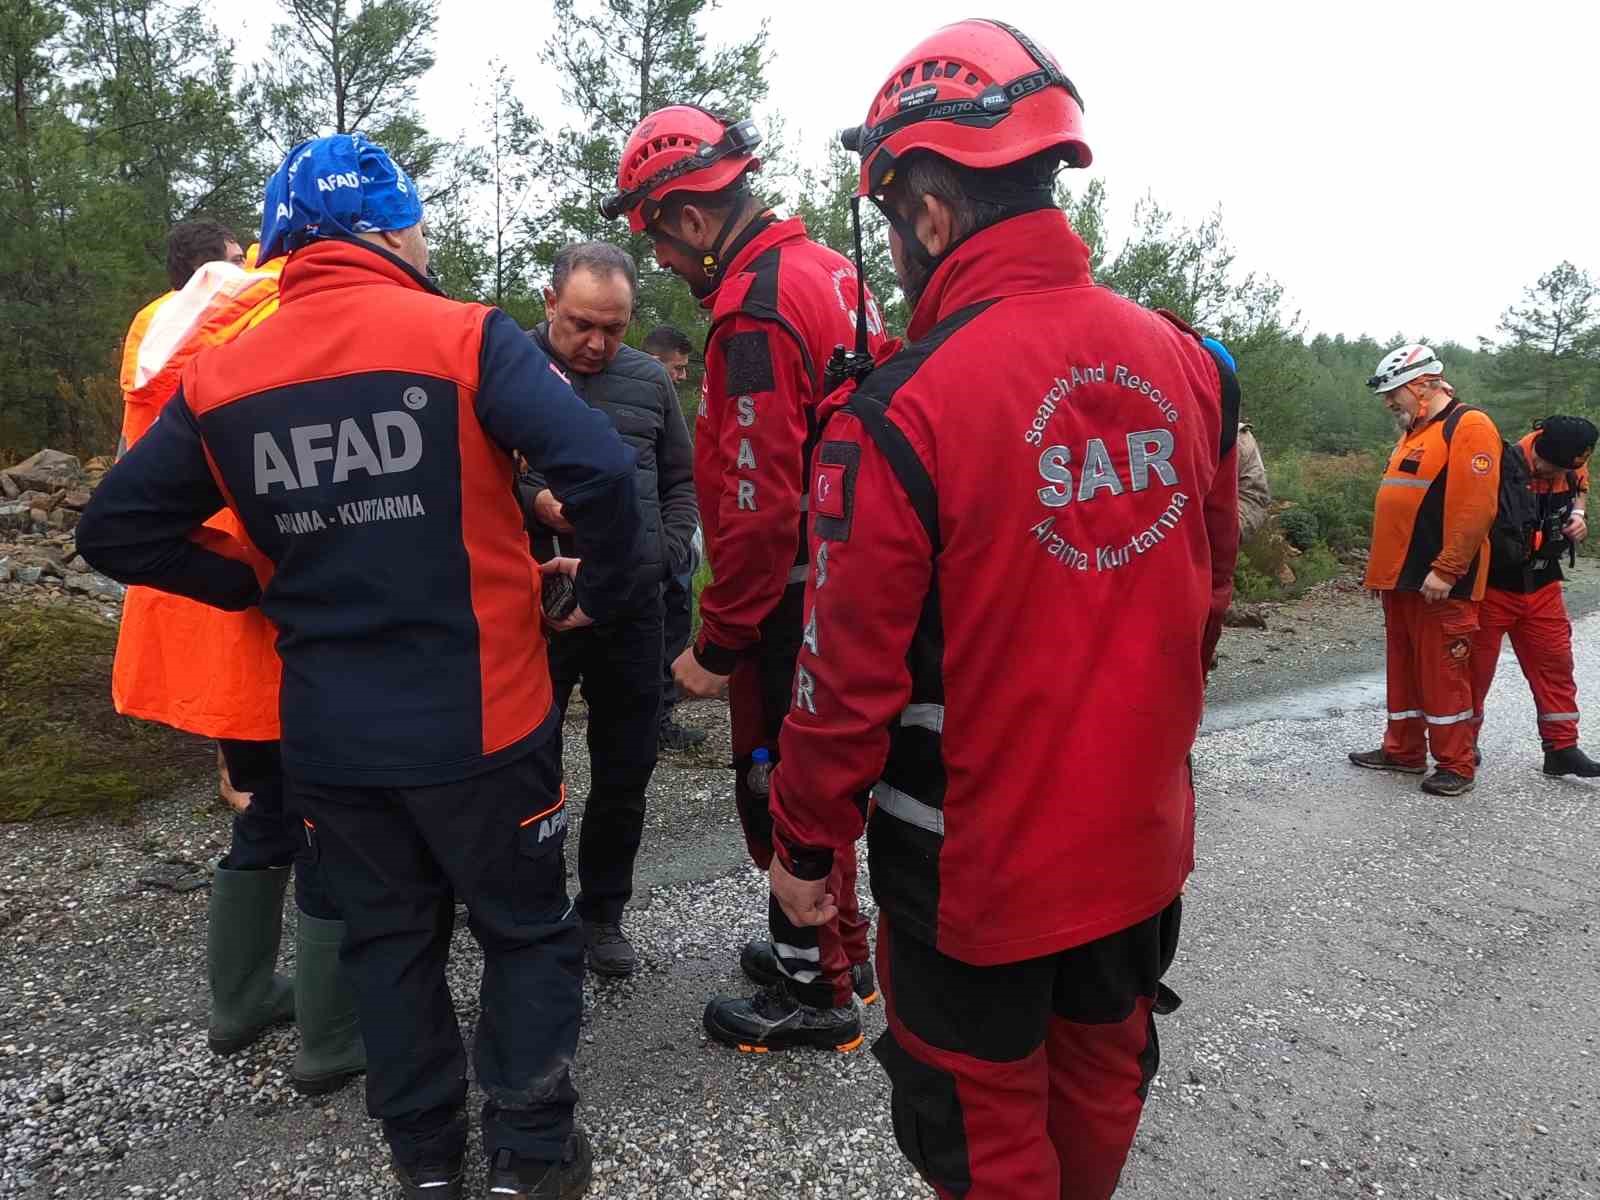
[
  {"x": 429, "y": 1181},
  {"x": 608, "y": 949},
  {"x": 773, "y": 1019},
  {"x": 526, "y": 1179},
  {"x": 759, "y": 962},
  {"x": 1571, "y": 761},
  {"x": 675, "y": 738}
]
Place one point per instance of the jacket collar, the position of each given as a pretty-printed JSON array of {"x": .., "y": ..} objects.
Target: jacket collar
[
  {"x": 775, "y": 234},
  {"x": 345, "y": 262},
  {"x": 1033, "y": 252}
]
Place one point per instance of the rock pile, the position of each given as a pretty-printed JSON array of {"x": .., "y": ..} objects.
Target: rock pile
[{"x": 40, "y": 503}]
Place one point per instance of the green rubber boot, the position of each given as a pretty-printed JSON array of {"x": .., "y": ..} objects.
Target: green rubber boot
[
  {"x": 242, "y": 939},
  {"x": 331, "y": 1050}
]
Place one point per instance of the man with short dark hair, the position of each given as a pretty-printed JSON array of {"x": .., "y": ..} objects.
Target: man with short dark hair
[
  {"x": 779, "y": 305},
  {"x": 192, "y": 244},
  {"x": 670, "y": 347},
  {"x": 1023, "y": 540},
  {"x": 618, "y": 662},
  {"x": 1524, "y": 599}
]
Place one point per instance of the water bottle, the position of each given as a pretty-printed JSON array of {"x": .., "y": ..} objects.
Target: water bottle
[{"x": 760, "y": 777}]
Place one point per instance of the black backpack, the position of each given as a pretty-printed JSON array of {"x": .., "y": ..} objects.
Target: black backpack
[{"x": 1514, "y": 538}]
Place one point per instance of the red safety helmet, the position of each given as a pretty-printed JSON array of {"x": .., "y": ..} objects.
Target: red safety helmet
[
  {"x": 681, "y": 148},
  {"x": 979, "y": 93}
]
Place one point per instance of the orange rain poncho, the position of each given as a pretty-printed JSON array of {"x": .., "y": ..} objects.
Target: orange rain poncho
[{"x": 179, "y": 662}]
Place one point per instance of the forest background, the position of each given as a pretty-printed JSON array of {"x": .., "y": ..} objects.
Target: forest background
[{"x": 119, "y": 118}]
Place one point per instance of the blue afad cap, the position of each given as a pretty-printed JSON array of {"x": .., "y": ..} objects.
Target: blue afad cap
[
  {"x": 1221, "y": 351},
  {"x": 335, "y": 187}
]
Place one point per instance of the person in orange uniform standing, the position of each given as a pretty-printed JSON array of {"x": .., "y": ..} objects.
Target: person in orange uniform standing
[
  {"x": 216, "y": 674},
  {"x": 1430, "y": 562},
  {"x": 1524, "y": 599}
]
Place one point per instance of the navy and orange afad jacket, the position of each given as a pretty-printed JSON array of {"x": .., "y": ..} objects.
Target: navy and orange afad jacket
[
  {"x": 364, "y": 438},
  {"x": 1006, "y": 645}
]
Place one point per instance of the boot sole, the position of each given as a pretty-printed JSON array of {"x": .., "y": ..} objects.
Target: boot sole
[
  {"x": 816, "y": 1039},
  {"x": 325, "y": 1085},
  {"x": 1394, "y": 768},
  {"x": 767, "y": 980},
  {"x": 1448, "y": 791},
  {"x": 232, "y": 1045},
  {"x": 451, "y": 1191}
]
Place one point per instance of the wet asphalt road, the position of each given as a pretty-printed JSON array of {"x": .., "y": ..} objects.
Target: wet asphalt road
[{"x": 1386, "y": 994}]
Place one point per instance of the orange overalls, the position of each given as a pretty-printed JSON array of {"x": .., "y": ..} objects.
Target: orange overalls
[
  {"x": 1530, "y": 607},
  {"x": 179, "y": 662},
  {"x": 1438, "y": 498}
]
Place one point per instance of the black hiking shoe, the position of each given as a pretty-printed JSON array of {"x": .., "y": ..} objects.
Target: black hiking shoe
[
  {"x": 608, "y": 949},
  {"x": 528, "y": 1179},
  {"x": 772, "y": 1019},
  {"x": 429, "y": 1181},
  {"x": 1447, "y": 783},
  {"x": 675, "y": 738},
  {"x": 759, "y": 962},
  {"x": 1379, "y": 760},
  {"x": 1571, "y": 761}
]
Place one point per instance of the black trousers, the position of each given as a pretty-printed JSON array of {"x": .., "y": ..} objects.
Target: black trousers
[
  {"x": 678, "y": 617},
  {"x": 618, "y": 667},
  {"x": 270, "y": 833},
  {"x": 1024, "y": 1080},
  {"x": 396, "y": 858}
]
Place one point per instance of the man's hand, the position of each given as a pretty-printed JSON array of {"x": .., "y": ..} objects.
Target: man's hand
[
  {"x": 577, "y": 618},
  {"x": 695, "y": 679},
  {"x": 550, "y": 511},
  {"x": 805, "y": 901},
  {"x": 1435, "y": 587},
  {"x": 235, "y": 799},
  {"x": 1576, "y": 528}
]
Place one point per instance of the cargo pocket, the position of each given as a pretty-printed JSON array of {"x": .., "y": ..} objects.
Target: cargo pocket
[
  {"x": 541, "y": 867},
  {"x": 926, "y": 1112}
]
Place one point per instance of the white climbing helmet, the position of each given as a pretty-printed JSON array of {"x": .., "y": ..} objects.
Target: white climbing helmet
[{"x": 1403, "y": 365}]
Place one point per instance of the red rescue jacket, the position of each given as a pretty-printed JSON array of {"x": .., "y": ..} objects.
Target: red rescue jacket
[
  {"x": 785, "y": 302},
  {"x": 1010, "y": 654}
]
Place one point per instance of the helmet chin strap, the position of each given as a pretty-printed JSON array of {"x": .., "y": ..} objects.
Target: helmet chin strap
[{"x": 712, "y": 259}]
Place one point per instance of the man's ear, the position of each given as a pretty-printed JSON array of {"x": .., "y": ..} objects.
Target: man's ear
[
  {"x": 935, "y": 223},
  {"x": 692, "y": 225},
  {"x": 549, "y": 299},
  {"x": 394, "y": 240}
]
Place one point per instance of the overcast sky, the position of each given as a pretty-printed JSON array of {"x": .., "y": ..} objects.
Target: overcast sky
[{"x": 1402, "y": 167}]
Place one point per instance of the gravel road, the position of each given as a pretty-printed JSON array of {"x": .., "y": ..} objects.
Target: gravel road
[{"x": 1387, "y": 994}]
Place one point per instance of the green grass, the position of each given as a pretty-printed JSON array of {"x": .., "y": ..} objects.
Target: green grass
[{"x": 64, "y": 751}]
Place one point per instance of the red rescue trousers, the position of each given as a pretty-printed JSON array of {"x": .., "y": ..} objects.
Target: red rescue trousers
[
  {"x": 816, "y": 959},
  {"x": 1026, "y": 1080},
  {"x": 1541, "y": 635},
  {"x": 1430, "y": 681}
]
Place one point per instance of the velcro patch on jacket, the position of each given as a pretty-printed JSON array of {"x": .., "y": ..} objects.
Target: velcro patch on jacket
[
  {"x": 748, "y": 361},
  {"x": 833, "y": 489}
]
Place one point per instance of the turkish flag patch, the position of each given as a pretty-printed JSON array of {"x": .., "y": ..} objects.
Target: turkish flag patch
[
  {"x": 833, "y": 489},
  {"x": 827, "y": 490}
]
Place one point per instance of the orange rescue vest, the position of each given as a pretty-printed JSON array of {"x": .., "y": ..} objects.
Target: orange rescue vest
[{"x": 182, "y": 663}]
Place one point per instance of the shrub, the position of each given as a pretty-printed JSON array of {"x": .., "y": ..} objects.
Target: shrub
[{"x": 1300, "y": 527}]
